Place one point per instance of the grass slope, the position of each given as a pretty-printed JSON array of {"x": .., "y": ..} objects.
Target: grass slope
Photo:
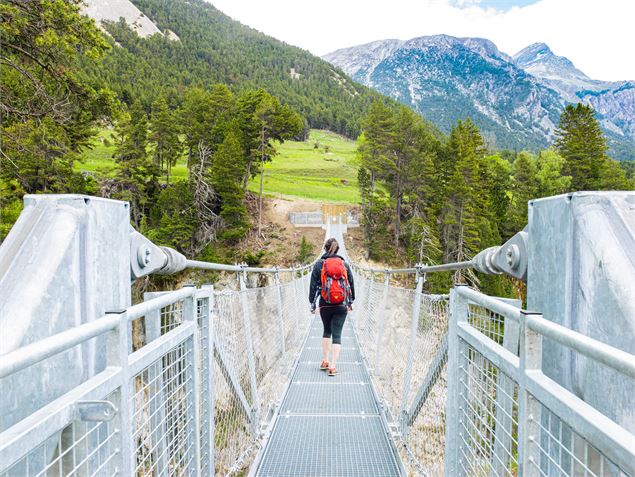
[{"x": 327, "y": 173}]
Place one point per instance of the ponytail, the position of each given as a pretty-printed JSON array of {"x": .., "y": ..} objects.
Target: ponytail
[{"x": 331, "y": 247}]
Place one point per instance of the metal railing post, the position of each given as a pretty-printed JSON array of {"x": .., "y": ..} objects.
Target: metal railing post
[
  {"x": 459, "y": 311},
  {"x": 118, "y": 343},
  {"x": 381, "y": 325},
  {"x": 298, "y": 307},
  {"x": 528, "y": 407},
  {"x": 207, "y": 390},
  {"x": 414, "y": 324},
  {"x": 193, "y": 353},
  {"x": 281, "y": 333},
  {"x": 504, "y": 408},
  {"x": 255, "y": 403},
  {"x": 156, "y": 389}
]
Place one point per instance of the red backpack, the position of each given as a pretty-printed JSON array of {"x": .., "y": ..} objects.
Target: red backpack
[{"x": 335, "y": 287}]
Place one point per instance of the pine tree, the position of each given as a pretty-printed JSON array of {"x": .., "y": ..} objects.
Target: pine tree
[
  {"x": 524, "y": 188},
  {"x": 137, "y": 176},
  {"x": 581, "y": 143},
  {"x": 164, "y": 137},
  {"x": 226, "y": 177},
  {"x": 466, "y": 210}
]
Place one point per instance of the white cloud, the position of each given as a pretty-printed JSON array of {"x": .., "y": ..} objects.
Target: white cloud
[{"x": 598, "y": 37}]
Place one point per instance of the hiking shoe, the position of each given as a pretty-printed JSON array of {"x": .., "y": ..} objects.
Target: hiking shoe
[
  {"x": 324, "y": 366},
  {"x": 332, "y": 371}
]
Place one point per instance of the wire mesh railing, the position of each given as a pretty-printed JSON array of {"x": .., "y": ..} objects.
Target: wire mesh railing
[
  {"x": 190, "y": 381},
  {"x": 505, "y": 417},
  {"x": 403, "y": 338}
]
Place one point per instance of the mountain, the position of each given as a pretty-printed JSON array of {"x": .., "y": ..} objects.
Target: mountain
[
  {"x": 614, "y": 101},
  {"x": 515, "y": 101},
  {"x": 167, "y": 45}
]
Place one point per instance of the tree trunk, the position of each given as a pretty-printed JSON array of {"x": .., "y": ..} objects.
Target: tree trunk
[{"x": 262, "y": 173}]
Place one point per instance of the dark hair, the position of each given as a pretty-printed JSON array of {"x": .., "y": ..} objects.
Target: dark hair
[{"x": 331, "y": 246}]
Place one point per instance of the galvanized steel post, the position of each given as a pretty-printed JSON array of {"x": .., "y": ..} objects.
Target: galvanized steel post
[
  {"x": 528, "y": 407},
  {"x": 194, "y": 354},
  {"x": 414, "y": 324},
  {"x": 281, "y": 333},
  {"x": 255, "y": 403},
  {"x": 207, "y": 385},
  {"x": 296, "y": 301},
  {"x": 381, "y": 325},
  {"x": 504, "y": 408},
  {"x": 459, "y": 311},
  {"x": 156, "y": 389},
  {"x": 117, "y": 356}
]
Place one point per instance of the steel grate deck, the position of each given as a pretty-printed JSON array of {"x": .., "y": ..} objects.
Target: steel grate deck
[
  {"x": 329, "y": 398},
  {"x": 314, "y": 354},
  {"x": 347, "y": 373},
  {"x": 314, "y": 341},
  {"x": 329, "y": 446},
  {"x": 329, "y": 426}
]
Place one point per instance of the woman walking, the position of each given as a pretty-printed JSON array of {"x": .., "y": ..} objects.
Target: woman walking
[{"x": 332, "y": 284}]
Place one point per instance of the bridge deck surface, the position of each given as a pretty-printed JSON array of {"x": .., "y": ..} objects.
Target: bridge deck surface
[{"x": 329, "y": 426}]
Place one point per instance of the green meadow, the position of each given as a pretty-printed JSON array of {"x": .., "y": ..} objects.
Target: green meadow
[{"x": 321, "y": 169}]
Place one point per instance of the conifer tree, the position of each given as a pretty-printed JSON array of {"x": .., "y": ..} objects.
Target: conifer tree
[
  {"x": 463, "y": 217},
  {"x": 524, "y": 188},
  {"x": 164, "y": 137},
  {"x": 581, "y": 143},
  {"x": 226, "y": 177},
  {"x": 137, "y": 176}
]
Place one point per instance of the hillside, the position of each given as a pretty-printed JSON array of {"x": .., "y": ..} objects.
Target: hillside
[
  {"x": 323, "y": 168},
  {"x": 515, "y": 102},
  {"x": 202, "y": 46}
]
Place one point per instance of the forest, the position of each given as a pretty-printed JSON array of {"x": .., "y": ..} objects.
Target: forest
[{"x": 425, "y": 197}]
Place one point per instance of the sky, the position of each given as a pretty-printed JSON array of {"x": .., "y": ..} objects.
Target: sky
[{"x": 598, "y": 36}]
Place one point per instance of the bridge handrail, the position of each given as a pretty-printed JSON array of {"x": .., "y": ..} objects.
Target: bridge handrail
[
  {"x": 489, "y": 381},
  {"x": 610, "y": 356},
  {"x": 36, "y": 352},
  {"x": 40, "y": 350}
]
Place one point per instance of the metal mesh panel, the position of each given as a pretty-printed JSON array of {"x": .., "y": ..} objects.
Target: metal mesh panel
[
  {"x": 488, "y": 410},
  {"x": 163, "y": 414},
  {"x": 232, "y": 434},
  {"x": 486, "y": 321},
  {"x": 560, "y": 452},
  {"x": 384, "y": 333},
  {"x": 171, "y": 316},
  {"x": 81, "y": 448},
  {"x": 204, "y": 369},
  {"x": 425, "y": 440},
  {"x": 276, "y": 320}
]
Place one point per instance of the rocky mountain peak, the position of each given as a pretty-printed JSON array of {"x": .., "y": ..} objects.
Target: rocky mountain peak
[{"x": 539, "y": 60}]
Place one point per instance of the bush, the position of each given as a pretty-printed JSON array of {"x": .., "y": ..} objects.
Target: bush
[{"x": 306, "y": 251}]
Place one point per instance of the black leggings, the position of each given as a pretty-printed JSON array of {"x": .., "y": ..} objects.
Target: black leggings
[{"x": 333, "y": 317}]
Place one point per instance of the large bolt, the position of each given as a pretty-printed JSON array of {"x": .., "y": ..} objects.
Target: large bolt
[{"x": 144, "y": 256}]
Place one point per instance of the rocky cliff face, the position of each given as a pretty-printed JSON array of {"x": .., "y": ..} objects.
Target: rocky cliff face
[
  {"x": 113, "y": 10},
  {"x": 515, "y": 101}
]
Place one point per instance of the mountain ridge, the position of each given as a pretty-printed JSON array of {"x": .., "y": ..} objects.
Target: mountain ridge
[
  {"x": 515, "y": 100},
  {"x": 212, "y": 48}
]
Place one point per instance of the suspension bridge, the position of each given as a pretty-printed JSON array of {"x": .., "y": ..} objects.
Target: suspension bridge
[{"x": 200, "y": 381}]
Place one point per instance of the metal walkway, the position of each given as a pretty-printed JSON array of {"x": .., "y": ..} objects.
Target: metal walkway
[{"x": 329, "y": 426}]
